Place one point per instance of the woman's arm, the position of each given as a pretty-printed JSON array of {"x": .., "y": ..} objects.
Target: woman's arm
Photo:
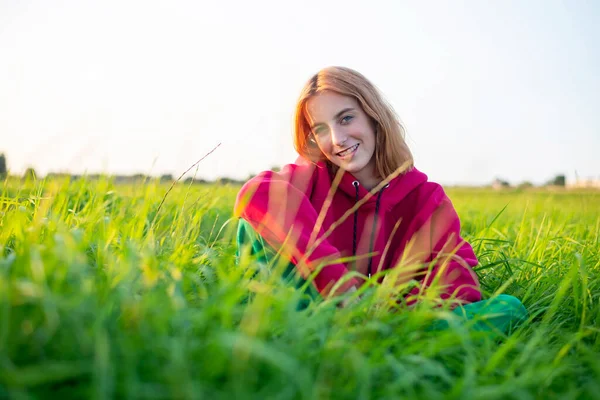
[
  {"x": 277, "y": 207},
  {"x": 434, "y": 239}
]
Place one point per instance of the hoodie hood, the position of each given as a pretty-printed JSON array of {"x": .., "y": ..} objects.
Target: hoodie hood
[{"x": 394, "y": 192}]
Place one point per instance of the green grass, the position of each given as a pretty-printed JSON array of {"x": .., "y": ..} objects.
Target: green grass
[{"x": 100, "y": 297}]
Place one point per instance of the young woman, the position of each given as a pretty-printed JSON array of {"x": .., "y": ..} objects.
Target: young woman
[{"x": 353, "y": 201}]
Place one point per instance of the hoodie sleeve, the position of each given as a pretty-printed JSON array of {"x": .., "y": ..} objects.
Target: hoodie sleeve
[
  {"x": 433, "y": 238},
  {"x": 277, "y": 207}
]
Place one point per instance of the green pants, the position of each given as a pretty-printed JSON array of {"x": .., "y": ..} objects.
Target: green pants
[{"x": 499, "y": 314}]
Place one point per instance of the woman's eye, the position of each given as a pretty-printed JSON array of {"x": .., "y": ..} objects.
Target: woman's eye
[
  {"x": 320, "y": 131},
  {"x": 347, "y": 119}
]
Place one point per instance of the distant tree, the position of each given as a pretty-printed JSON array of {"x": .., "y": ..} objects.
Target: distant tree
[
  {"x": 30, "y": 174},
  {"x": 525, "y": 185},
  {"x": 500, "y": 183},
  {"x": 2, "y": 166},
  {"x": 275, "y": 168},
  {"x": 227, "y": 181},
  {"x": 223, "y": 181},
  {"x": 559, "y": 180},
  {"x": 166, "y": 178},
  {"x": 138, "y": 177}
]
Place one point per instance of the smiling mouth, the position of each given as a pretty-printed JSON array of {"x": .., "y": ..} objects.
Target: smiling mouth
[{"x": 347, "y": 151}]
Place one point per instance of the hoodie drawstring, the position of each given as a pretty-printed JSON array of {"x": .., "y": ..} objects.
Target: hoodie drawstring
[
  {"x": 374, "y": 227},
  {"x": 377, "y": 203}
]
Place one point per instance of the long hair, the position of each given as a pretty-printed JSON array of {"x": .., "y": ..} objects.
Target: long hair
[{"x": 391, "y": 150}]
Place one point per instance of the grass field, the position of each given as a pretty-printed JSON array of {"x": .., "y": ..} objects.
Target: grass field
[{"x": 101, "y": 297}]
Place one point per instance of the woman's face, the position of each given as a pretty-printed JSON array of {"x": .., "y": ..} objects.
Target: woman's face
[{"x": 344, "y": 133}]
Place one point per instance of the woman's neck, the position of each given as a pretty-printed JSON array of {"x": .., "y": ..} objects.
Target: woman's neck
[
  {"x": 367, "y": 177},
  {"x": 368, "y": 182}
]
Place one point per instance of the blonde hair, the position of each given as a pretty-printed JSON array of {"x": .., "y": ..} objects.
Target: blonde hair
[{"x": 391, "y": 150}]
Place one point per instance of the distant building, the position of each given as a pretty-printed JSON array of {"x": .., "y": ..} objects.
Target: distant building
[
  {"x": 500, "y": 184},
  {"x": 585, "y": 183}
]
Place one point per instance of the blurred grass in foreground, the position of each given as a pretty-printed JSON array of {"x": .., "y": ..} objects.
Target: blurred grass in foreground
[{"x": 97, "y": 301}]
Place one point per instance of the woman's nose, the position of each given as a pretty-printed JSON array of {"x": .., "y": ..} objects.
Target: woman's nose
[{"x": 338, "y": 137}]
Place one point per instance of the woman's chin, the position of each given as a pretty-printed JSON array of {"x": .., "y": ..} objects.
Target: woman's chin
[{"x": 352, "y": 167}]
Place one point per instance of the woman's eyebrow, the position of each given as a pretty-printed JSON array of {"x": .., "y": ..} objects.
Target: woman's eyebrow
[
  {"x": 339, "y": 114},
  {"x": 345, "y": 110}
]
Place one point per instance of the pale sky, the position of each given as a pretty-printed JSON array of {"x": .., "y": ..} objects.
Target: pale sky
[{"x": 506, "y": 89}]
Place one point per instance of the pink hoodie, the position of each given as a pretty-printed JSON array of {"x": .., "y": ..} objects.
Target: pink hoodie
[{"x": 284, "y": 209}]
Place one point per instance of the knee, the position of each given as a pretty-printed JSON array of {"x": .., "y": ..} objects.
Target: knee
[{"x": 512, "y": 305}]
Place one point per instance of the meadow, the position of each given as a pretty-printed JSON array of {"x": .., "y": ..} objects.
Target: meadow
[{"x": 103, "y": 295}]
